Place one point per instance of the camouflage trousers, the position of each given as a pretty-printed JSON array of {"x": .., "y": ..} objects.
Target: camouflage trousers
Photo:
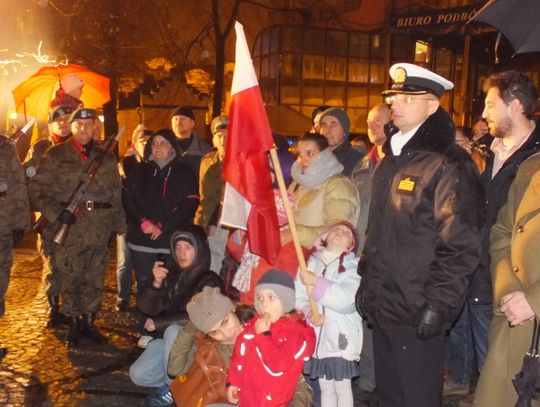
[
  {"x": 81, "y": 273},
  {"x": 6, "y": 261},
  {"x": 49, "y": 274}
]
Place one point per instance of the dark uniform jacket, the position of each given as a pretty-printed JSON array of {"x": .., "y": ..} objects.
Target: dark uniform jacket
[
  {"x": 496, "y": 190},
  {"x": 168, "y": 196},
  {"x": 423, "y": 238},
  {"x": 58, "y": 176},
  {"x": 167, "y": 304}
]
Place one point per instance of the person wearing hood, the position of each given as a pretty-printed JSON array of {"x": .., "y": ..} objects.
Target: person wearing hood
[
  {"x": 165, "y": 301},
  {"x": 161, "y": 195},
  {"x": 323, "y": 195}
]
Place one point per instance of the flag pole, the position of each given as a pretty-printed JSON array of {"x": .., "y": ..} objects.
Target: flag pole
[{"x": 292, "y": 226}]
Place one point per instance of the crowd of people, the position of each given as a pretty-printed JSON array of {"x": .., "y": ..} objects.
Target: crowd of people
[{"x": 421, "y": 251}]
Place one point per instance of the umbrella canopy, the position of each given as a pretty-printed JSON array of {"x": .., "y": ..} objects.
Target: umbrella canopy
[
  {"x": 34, "y": 95},
  {"x": 517, "y": 20}
]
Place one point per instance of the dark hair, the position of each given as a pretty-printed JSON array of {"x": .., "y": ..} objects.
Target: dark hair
[
  {"x": 318, "y": 110},
  {"x": 465, "y": 130},
  {"x": 319, "y": 139},
  {"x": 244, "y": 312},
  {"x": 515, "y": 85}
]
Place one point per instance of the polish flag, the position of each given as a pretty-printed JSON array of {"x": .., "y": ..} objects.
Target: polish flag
[{"x": 248, "y": 199}]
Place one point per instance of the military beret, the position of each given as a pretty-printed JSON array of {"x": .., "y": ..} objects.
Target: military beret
[{"x": 83, "y": 113}]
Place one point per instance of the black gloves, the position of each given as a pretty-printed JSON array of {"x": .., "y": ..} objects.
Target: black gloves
[
  {"x": 430, "y": 322},
  {"x": 66, "y": 217}
]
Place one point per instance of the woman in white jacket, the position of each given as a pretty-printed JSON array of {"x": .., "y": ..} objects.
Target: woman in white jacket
[{"x": 333, "y": 281}]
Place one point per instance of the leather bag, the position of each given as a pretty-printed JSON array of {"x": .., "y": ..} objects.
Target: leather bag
[{"x": 204, "y": 382}]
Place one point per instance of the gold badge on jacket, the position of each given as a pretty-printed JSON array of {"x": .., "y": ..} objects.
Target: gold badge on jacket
[{"x": 407, "y": 184}]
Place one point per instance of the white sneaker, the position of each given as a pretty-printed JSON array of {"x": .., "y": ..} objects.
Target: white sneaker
[{"x": 143, "y": 341}]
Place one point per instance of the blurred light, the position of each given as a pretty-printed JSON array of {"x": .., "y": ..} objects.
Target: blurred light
[
  {"x": 13, "y": 116},
  {"x": 101, "y": 118}
]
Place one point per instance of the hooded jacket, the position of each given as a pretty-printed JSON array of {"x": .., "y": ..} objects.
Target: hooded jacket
[
  {"x": 167, "y": 304},
  {"x": 423, "y": 238},
  {"x": 266, "y": 366},
  {"x": 166, "y": 196},
  {"x": 341, "y": 334}
]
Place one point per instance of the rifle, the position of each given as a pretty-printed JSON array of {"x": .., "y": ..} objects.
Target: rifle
[
  {"x": 78, "y": 195},
  {"x": 21, "y": 131}
]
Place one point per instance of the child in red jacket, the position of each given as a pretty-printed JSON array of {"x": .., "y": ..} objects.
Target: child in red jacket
[{"x": 269, "y": 355}]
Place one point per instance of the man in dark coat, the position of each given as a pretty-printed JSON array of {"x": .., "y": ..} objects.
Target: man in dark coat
[
  {"x": 165, "y": 301},
  {"x": 516, "y": 138},
  {"x": 423, "y": 240},
  {"x": 335, "y": 125}
]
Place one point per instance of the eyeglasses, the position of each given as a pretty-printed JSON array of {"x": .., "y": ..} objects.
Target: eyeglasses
[{"x": 389, "y": 100}]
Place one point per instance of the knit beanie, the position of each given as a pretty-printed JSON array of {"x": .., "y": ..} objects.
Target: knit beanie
[
  {"x": 71, "y": 82},
  {"x": 207, "y": 308},
  {"x": 282, "y": 284},
  {"x": 168, "y": 135},
  {"x": 341, "y": 116},
  {"x": 183, "y": 111}
]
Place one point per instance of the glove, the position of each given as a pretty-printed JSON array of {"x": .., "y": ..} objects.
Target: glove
[
  {"x": 66, "y": 217},
  {"x": 430, "y": 323}
]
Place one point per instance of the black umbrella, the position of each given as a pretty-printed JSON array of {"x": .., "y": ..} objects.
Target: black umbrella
[
  {"x": 526, "y": 382},
  {"x": 517, "y": 20}
]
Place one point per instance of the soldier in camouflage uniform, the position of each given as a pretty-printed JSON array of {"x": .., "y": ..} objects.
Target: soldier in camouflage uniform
[
  {"x": 14, "y": 215},
  {"x": 59, "y": 131},
  {"x": 82, "y": 260}
]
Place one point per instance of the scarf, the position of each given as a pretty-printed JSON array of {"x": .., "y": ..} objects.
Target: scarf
[{"x": 323, "y": 167}]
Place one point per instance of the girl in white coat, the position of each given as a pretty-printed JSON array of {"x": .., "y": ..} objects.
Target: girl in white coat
[{"x": 334, "y": 280}]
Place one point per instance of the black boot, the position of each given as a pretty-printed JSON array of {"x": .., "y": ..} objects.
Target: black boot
[
  {"x": 55, "y": 316},
  {"x": 74, "y": 332},
  {"x": 89, "y": 330}
]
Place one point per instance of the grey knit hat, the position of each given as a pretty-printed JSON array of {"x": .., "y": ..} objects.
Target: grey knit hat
[
  {"x": 207, "y": 308},
  {"x": 342, "y": 117},
  {"x": 282, "y": 284}
]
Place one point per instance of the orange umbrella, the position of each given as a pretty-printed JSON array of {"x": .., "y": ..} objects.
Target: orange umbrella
[{"x": 34, "y": 95}]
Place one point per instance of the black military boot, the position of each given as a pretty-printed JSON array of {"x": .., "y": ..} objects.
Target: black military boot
[
  {"x": 55, "y": 316},
  {"x": 90, "y": 331},
  {"x": 74, "y": 332}
]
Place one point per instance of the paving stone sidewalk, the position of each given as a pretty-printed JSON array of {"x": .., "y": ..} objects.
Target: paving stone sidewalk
[{"x": 39, "y": 370}]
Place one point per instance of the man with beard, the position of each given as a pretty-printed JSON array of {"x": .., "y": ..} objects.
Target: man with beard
[
  {"x": 509, "y": 106},
  {"x": 423, "y": 240}
]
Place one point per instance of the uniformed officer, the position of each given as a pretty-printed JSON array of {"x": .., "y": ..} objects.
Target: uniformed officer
[
  {"x": 14, "y": 213},
  {"x": 82, "y": 260},
  {"x": 59, "y": 131},
  {"x": 423, "y": 240}
]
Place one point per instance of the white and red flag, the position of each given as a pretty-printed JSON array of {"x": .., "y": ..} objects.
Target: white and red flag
[{"x": 249, "y": 200}]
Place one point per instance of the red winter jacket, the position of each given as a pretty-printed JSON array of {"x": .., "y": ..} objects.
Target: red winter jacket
[{"x": 265, "y": 367}]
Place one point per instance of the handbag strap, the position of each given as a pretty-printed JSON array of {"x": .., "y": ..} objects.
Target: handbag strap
[
  {"x": 207, "y": 370},
  {"x": 535, "y": 338}
]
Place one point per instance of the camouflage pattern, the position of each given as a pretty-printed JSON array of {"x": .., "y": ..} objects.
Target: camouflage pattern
[
  {"x": 80, "y": 268},
  {"x": 14, "y": 213},
  {"x": 80, "y": 272}
]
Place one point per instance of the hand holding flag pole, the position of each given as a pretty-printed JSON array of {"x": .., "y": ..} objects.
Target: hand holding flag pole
[{"x": 315, "y": 315}]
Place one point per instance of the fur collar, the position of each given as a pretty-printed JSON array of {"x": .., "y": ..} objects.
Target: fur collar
[{"x": 435, "y": 135}]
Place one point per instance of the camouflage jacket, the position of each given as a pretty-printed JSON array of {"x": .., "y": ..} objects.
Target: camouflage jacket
[
  {"x": 58, "y": 176},
  {"x": 14, "y": 209}
]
